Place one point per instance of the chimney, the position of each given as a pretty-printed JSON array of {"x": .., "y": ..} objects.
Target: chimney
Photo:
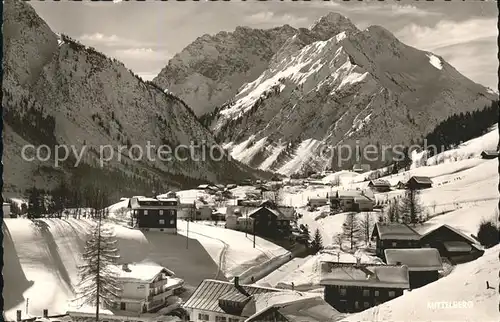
[
  {"x": 125, "y": 268},
  {"x": 18, "y": 316},
  {"x": 398, "y": 263},
  {"x": 45, "y": 313},
  {"x": 358, "y": 261},
  {"x": 236, "y": 281}
]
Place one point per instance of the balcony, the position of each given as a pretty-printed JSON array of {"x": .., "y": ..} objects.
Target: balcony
[{"x": 165, "y": 286}]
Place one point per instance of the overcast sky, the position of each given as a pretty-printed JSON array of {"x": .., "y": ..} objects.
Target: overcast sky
[{"x": 145, "y": 35}]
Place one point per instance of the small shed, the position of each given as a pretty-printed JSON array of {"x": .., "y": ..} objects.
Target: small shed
[{"x": 418, "y": 182}]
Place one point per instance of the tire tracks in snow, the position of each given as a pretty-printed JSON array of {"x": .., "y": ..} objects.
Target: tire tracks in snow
[{"x": 222, "y": 257}]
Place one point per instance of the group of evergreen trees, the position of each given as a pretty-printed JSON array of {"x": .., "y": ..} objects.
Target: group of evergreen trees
[
  {"x": 407, "y": 210},
  {"x": 462, "y": 127}
]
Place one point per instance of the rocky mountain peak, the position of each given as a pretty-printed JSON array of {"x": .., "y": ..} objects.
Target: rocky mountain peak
[{"x": 332, "y": 24}]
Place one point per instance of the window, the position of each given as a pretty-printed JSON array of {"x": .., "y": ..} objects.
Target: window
[
  {"x": 161, "y": 211},
  {"x": 220, "y": 319},
  {"x": 356, "y": 305},
  {"x": 162, "y": 222},
  {"x": 394, "y": 244},
  {"x": 343, "y": 291},
  {"x": 203, "y": 317},
  {"x": 233, "y": 320},
  {"x": 366, "y": 292},
  {"x": 145, "y": 212},
  {"x": 366, "y": 305},
  {"x": 392, "y": 293},
  {"x": 377, "y": 293},
  {"x": 172, "y": 222},
  {"x": 123, "y": 306}
]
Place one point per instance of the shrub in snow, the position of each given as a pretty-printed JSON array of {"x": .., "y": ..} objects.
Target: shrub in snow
[{"x": 488, "y": 233}]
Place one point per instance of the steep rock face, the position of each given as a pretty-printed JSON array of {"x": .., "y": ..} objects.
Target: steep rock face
[
  {"x": 210, "y": 70},
  {"x": 363, "y": 86},
  {"x": 59, "y": 92}
]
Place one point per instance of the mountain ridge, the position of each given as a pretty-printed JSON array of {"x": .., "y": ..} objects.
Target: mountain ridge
[
  {"x": 60, "y": 92},
  {"x": 333, "y": 84}
]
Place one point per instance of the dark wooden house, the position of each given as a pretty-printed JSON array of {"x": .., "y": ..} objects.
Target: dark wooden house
[
  {"x": 154, "y": 214},
  {"x": 489, "y": 154},
  {"x": 417, "y": 183},
  {"x": 269, "y": 221},
  {"x": 451, "y": 243},
  {"x": 354, "y": 287},
  {"x": 380, "y": 185},
  {"x": 423, "y": 264},
  {"x": 394, "y": 235}
]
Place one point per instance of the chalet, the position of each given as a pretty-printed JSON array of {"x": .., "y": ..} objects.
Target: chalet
[
  {"x": 351, "y": 200},
  {"x": 354, "y": 287},
  {"x": 380, "y": 185},
  {"x": 208, "y": 188},
  {"x": 423, "y": 264},
  {"x": 154, "y": 214},
  {"x": 221, "y": 301},
  {"x": 489, "y": 154},
  {"x": 450, "y": 242},
  {"x": 231, "y": 186},
  {"x": 270, "y": 221},
  {"x": 317, "y": 202},
  {"x": 144, "y": 287},
  {"x": 394, "y": 236},
  {"x": 361, "y": 168},
  {"x": 290, "y": 306},
  {"x": 416, "y": 183}
]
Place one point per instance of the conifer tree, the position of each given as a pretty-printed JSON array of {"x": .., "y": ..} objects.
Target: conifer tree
[
  {"x": 351, "y": 230},
  {"x": 317, "y": 242},
  {"x": 410, "y": 208},
  {"x": 98, "y": 277}
]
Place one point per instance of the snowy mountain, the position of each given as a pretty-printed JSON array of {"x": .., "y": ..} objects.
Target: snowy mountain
[
  {"x": 334, "y": 84},
  {"x": 210, "y": 70},
  {"x": 60, "y": 92}
]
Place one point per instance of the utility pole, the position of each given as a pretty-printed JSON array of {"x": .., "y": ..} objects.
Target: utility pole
[
  {"x": 246, "y": 221},
  {"x": 253, "y": 233}
]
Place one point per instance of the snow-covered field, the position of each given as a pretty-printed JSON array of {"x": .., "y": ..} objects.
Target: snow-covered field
[{"x": 42, "y": 259}]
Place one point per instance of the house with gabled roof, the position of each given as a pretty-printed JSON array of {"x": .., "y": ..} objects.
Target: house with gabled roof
[
  {"x": 451, "y": 243},
  {"x": 380, "y": 185},
  {"x": 354, "y": 287},
  {"x": 144, "y": 287},
  {"x": 424, "y": 264},
  {"x": 394, "y": 235},
  {"x": 290, "y": 306},
  {"x": 221, "y": 301},
  {"x": 419, "y": 182}
]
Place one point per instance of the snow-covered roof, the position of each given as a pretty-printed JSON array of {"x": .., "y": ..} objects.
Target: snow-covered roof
[
  {"x": 292, "y": 305},
  {"x": 276, "y": 212},
  {"x": 421, "y": 179},
  {"x": 352, "y": 274},
  {"x": 207, "y": 294},
  {"x": 395, "y": 231},
  {"x": 426, "y": 230},
  {"x": 418, "y": 259},
  {"x": 139, "y": 272},
  {"x": 380, "y": 183}
]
